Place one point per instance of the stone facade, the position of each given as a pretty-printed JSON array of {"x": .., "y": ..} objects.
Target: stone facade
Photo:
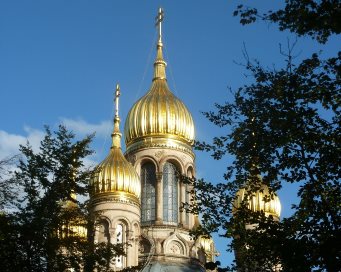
[
  {"x": 139, "y": 197},
  {"x": 163, "y": 241}
]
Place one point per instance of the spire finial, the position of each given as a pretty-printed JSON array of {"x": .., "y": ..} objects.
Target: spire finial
[
  {"x": 159, "y": 64},
  {"x": 159, "y": 19},
  {"x": 116, "y": 135},
  {"x": 117, "y": 95}
]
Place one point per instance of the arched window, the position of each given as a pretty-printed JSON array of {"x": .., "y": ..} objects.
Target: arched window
[
  {"x": 103, "y": 235},
  {"x": 187, "y": 194},
  {"x": 170, "y": 194},
  {"x": 148, "y": 182},
  {"x": 119, "y": 240},
  {"x": 187, "y": 200}
]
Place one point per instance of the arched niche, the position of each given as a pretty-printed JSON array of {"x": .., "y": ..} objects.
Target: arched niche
[
  {"x": 190, "y": 171},
  {"x": 145, "y": 245},
  {"x": 175, "y": 248},
  {"x": 187, "y": 187},
  {"x": 176, "y": 245},
  {"x": 102, "y": 231},
  {"x": 136, "y": 229}
]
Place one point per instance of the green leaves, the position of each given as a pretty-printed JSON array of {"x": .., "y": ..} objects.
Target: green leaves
[
  {"x": 318, "y": 19},
  {"x": 284, "y": 127},
  {"x": 49, "y": 229}
]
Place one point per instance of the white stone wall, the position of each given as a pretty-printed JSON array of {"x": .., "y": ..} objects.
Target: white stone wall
[
  {"x": 159, "y": 156},
  {"x": 122, "y": 212}
]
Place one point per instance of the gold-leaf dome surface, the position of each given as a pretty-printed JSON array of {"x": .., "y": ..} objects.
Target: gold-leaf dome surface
[
  {"x": 207, "y": 245},
  {"x": 115, "y": 175},
  {"x": 257, "y": 201},
  {"x": 159, "y": 114},
  {"x": 159, "y": 117}
]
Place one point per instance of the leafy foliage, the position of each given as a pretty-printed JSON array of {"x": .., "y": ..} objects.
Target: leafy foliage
[
  {"x": 47, "y": 230},
  {"x": 318, "y": 19},
  {"x": 7, "y": 194},
  {"x": 284, "y": 127},
  {"x": 288, "y": 124}
]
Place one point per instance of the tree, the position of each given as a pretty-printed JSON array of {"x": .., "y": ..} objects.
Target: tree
[
  {"x": 284, "y": 127},
  {"x": 50, "y": 230},
  {"x": 7, "y": 194},
  {"x": 318, "y": 19}
]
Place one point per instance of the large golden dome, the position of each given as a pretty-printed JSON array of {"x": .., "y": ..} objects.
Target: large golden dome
[
  {"x": 257, "y": 201},
  {"x": 159, "y": 118},
  {"x": 115, "y": 175}
]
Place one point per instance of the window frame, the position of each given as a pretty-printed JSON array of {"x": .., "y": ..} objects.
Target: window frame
[
  {"x": 170, "y": 190},
  {"x": 148, "y": 179}
]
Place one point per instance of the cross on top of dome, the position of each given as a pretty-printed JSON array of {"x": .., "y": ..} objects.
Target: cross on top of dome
[{"x": 159, "y": 19}]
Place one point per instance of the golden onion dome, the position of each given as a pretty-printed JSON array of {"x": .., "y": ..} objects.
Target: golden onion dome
[
  {"x": 261, "y": 200},
  {"x": 207, "y": 245},
  {"x": 115, "y": 175},
  {"x": 76, "y": 227},
  {"x": 159, "y": 118}
]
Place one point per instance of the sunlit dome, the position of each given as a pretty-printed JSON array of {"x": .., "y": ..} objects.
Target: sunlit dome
[
  {"x": 257, "y": 201},
  {"x": 115, "y": 175},
  {"x": 159, "y": 118},
  {"x": 206, "y": 243}
]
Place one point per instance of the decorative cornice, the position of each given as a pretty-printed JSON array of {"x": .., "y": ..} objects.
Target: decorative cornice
[
  {"x": 117, "y": 197},
  {"x": 158, "y": 142}
]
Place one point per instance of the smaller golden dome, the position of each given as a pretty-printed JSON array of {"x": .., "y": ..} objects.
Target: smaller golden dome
[
  {"x": 115, "y": 175},
  {"x": 75, "y": 227},
  {"x": 207, "y": 245},
  {"x": 257, "y": 201}
]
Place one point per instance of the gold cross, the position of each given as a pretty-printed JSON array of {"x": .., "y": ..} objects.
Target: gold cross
[
  {"x": 117, "y": 94},
  {"x": 159, "y": 19}
]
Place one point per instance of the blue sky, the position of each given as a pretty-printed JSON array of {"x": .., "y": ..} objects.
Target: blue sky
[{"x": 60, "y": 62}]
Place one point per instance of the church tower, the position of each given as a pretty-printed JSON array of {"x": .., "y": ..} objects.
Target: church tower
[
  {"x": 115, "y": 200},
  {"x": 137, "y": 198},
  {"x": 159, "y": 133}
]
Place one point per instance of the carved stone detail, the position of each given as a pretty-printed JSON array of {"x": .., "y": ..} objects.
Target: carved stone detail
[
  {"x": 175, "y": 247},
  {"x": 132, "y": 159},
  {"x": 159, "y": 154},
  {"x": 144, "y": 246}
]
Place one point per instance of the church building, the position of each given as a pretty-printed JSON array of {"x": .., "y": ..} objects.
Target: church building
[{"x": 137, "y": 195}]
